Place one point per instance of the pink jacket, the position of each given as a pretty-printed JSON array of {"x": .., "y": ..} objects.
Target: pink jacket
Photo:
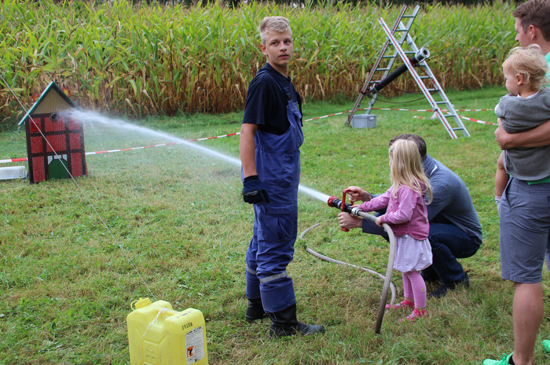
[{"x": 406, "y": 214}]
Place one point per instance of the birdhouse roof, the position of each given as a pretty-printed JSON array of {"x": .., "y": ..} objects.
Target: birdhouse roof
[{"x": 51, "y": 98}]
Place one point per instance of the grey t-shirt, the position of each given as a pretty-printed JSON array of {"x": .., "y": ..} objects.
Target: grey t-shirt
[{"x": 520, "y": 115}]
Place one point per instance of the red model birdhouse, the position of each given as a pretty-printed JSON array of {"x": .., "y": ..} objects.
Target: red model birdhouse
[{"x": 55, "y": 141}]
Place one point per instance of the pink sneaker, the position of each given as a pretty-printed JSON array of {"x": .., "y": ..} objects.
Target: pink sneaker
[
  {"x": 403, "y": 305},
  {"x": 416, "y": 313}
]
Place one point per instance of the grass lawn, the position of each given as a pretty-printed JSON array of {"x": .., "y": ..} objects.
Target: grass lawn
[{"x": 169, "y": 223}]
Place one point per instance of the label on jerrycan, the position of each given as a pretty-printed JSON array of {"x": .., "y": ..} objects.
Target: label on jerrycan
[{"x": 194, "y": 345}]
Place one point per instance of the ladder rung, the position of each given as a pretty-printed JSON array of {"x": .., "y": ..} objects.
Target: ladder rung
[
  {"x": 459, "y": 129},
  {"x": 408, "y": 16},
  {"x": 402, "y": 30},
  {"x": 441, "y": 102},
  {"x": 389, "y": 56},
  {"x": 434, "y": 90},
  {"x": 382, "y": 69},
  {"x": 424, "y": 77}
]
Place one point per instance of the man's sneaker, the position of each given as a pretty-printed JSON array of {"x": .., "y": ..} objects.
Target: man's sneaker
[
  {"x": 417, "y": 313},
  {"x": 546, "y": 345},
  {"x": 505, "y": 360},
  {"x": 443, "y": 289},
  {"x": 403, "y": 305}
]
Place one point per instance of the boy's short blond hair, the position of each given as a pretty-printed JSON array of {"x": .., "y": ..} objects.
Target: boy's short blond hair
[
  {"x": 276, "y": 23},
  {"x": 530, "y": 63}
]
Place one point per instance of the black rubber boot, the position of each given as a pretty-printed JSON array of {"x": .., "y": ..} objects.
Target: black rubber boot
[
  {"x": 284, "y": 323},
  {"x": 255, "y": 310}
]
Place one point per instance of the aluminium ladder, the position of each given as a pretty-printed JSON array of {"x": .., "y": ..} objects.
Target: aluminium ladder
[
  {"x": 386, "y": 69},
  {"x": 443, "y": 114}
]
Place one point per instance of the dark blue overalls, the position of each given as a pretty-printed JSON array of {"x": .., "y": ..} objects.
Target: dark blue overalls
[{"x": 276, "y": 223}]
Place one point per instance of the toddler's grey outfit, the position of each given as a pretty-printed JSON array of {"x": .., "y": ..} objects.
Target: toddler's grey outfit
[{"x": 519, "y": 115}]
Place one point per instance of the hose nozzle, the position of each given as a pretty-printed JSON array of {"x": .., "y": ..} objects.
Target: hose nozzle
[
  {"x": 340, "y": 204},
  {"x": 334, "y": 202}
]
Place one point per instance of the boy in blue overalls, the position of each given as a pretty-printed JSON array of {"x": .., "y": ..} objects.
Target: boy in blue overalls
[{"x": 271, "y": 136}]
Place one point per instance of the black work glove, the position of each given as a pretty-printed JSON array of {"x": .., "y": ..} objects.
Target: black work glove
[{"x": 253, "y": 190}]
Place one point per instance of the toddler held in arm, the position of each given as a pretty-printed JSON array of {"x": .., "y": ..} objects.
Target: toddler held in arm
[{"x": 526, "y": 107}]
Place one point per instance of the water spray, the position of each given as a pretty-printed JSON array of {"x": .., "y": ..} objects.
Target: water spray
[
  {"x": 355, "y": 211},
  {"x": 332, "y": 201}
]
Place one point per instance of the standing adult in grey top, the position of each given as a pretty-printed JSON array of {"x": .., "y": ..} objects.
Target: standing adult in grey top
[
  {"x": 455, "y": 231},
  {"x": 518, "y": 115}
]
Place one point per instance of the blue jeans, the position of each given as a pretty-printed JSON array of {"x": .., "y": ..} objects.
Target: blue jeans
[{"x": 448, "y": 243}]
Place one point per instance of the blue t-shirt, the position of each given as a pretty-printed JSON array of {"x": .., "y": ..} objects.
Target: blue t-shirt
[
  {"x": 452, "y": 203},
  {"x": 266, "y": 101}
]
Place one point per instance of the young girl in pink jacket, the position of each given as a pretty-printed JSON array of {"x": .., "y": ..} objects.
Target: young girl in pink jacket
[{"x": 407, "y": 216}]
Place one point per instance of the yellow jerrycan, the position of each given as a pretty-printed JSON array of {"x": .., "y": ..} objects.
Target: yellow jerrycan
[{"x": 158, "y": 335}]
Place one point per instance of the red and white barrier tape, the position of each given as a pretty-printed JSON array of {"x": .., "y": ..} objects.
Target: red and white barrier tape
[
  {"x": 401, "y": 110},
  {"x": 430, "y": 110},
  {"x": 477, "y": 121},
  {"x": 237, "y": 133},
  {"x": 331, "y": 115},
  {"x": 225, "y": 135},
  {"x": 470, "y": 119},
  {"x": 14, "y": 160},
  {"x": 133, "y": 148}
]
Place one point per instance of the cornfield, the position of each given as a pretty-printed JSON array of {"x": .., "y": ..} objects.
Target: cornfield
[{"x": 141, "y": 60}]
